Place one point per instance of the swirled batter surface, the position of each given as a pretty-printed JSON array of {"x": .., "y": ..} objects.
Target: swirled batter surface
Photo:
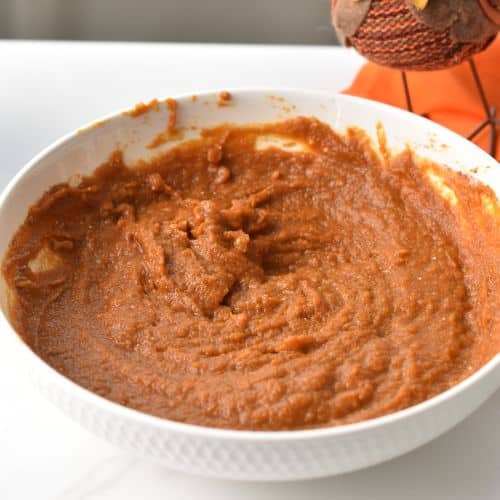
[{"x": 234, "y": 283}]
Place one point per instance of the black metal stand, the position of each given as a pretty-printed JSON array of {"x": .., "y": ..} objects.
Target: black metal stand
[
  {"x": 409, "y": 105},
  {"x": 491, "y": 119}
]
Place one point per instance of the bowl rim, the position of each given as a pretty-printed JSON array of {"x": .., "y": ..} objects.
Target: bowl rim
[{"x": 206, "y": 432}]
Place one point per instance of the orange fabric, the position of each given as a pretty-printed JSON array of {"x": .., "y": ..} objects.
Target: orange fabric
[{"x": 449, "y": 97}]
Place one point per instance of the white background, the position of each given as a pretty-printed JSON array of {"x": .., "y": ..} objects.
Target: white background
[{"x": 47, "y": 89}]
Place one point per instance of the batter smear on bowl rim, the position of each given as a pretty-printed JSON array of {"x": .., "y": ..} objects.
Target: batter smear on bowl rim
[{"x": 265, "y": 277}]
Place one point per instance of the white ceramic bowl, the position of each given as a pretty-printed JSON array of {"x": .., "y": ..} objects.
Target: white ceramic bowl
[{"x": 245, "y": 454}]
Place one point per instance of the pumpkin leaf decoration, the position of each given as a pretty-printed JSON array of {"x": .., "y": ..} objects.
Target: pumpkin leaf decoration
[
  {"x": 419, "y": 4},
  {"x": 465, "y": 19},
  {"x": 348, "y": 16}
]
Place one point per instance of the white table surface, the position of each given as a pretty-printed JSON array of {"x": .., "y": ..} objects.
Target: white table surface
[{"x": 47, "y": 89}]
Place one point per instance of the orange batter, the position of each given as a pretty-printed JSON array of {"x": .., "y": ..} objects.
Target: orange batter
[{"x": 262, "y": 288}]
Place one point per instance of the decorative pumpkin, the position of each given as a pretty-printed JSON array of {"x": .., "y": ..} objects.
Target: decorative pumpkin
[
  {"x": 417, "y": 34},
  {"x": 422, "y": 35}
]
